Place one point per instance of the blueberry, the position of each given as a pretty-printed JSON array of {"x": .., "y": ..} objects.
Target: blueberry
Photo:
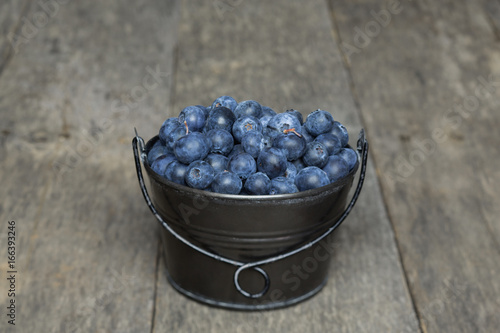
[
  {"x": 311, "y": 177},
  {"x": 281, "y": 122},
  {"x": 291, "y": 170},
  {"x": 191, "y": 147},
  {"x": 258, "y": 184},
  {"x": 331, "y": 142},
  {"x": 161, "y": 163},
  {"x": 194, "y": 118},
  {"x": 267, "y": 112},
  {"x": 350, "y": 156},
  {"x": 222, "y": 118},
  {"x": 248, "y": 108},
  {"x": 307, "y": 136},
  {"x": 206, "y": 110},
  {"x": 319, "y": 122},
  {"x": 296, "y": 114},
  {"x": 282, "y": 185},
  {"x": 242, "y": 164},
  {"x": 316, "y": 154},
  {"x": 199, "y": 175},
  {"x": 238, "y": 148},
  {"x": 253, "y": 142},
  {"x": 265, "y": 120},
  {"x": 244, "y": 125},
  {"x": 272, "y": 161},
  {"x": 175, "y": 172},
  {"x": 217, "y": 161},
  {"x": 227, "y": 182},
  {"x": 340, "y": 132},
  {"x": 156, "y": 151},
  {"x": 222, "y": 141},
  {"x": 293, "y": 145},
  {"x": 336, "y": 168},
  {"x": 226, "y": 101},
  {"x": 167, "y": 127},
  {"x": 178, "y": 132},
  {"x": 299, "y": 164}
]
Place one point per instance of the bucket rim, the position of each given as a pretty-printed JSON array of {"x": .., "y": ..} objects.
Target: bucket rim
[{"x": 246, "y": 197}]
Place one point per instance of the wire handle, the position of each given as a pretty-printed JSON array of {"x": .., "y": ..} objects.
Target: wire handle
[{"x": 362, "y": 147}]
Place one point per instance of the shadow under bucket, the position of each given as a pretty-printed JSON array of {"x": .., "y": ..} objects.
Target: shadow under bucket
[{"x": 247, "y": 252}]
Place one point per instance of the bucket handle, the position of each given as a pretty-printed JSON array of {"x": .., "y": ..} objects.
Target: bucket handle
[{"x": 362, "y": 147}]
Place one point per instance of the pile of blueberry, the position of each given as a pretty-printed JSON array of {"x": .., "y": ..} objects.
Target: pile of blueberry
[{"x": 247, "y": 148}]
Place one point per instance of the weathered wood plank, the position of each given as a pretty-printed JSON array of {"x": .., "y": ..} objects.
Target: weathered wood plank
[
  {"x": 87, "y": 250},
  {"x": 11, "y": 16},
  {"x": 428, "y": 84},
  {"x": 282, "y": 54}
]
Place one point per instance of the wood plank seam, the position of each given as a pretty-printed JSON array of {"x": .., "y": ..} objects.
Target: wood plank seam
[{"x": 357, "y": 103}]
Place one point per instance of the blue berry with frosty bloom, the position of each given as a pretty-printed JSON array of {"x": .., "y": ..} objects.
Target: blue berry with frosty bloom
[
  {"x": 199, "y": 175},
  {"x": 316, "y": 154},
  {"x": 293, "y": 145},
  {"x": 319, "y": 122},
  {"x": 206, "y": 110},
  {"x": 331, "y": 142},
  {"x": 299, "y": 164},
  {"x": 191, "y": 147},
  {"x": 176, "y": 171},
  {"x": 291, "y": 170},
  {"x": 283, "y": 185},
  {"x": 194, "y": 117},
  {"x": 167, "y": 127},
  {"x": 160, "y": 164},
  {"x": 222, "y": 141},
  {"x": 242, "y": 164},
  {"x": 248, "y": 108},
  {"x": 156, "y": 151},
  {"x": 267, "y": 112},
  {"x": 217, "y": 161},
  {"x": 340, "y": 132},
  {"x": 311, "y": 177},
  {"x": 258, "y": 184},
  {"x": 350, "y": 156},
  {"x": 175, "y": 134},
  {"x": 226, "y": 101},
  {"x": 226, "y": 182},
  {"x": 253, "y": 142},
  {"x": 272, "y": 161},
  {"x": 281, "y": 122},
  {"x": 336, "y": 168},
  {"x": 238, "y": 148},
  {"x": 296, "y": 114},
  {"x": 306, "y": 135},
  {"x": 244, "y": 125},
  {"x": 221, "y": 118}
]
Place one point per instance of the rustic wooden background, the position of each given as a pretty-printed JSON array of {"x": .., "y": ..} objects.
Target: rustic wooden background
[{"x": 421, "y": 251}]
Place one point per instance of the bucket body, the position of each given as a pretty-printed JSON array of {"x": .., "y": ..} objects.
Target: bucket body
[{"x": 247, "y": 229}]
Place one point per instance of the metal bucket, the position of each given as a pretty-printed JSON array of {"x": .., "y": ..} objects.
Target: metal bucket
[{"x": 242, "y": 251}]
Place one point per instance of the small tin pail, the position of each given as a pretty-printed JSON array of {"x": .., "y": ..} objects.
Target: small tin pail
[{"x": 247, "y": 252}]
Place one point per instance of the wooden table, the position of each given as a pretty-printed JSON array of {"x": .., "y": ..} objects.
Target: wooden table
[{"x": 420, "y": 252}]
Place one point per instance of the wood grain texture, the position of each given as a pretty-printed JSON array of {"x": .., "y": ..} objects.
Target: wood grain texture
[
  {"x": 70, "y": 101},
  {"x": 12, "y": 13},
  {"x": 428, "y": 87},
  {"x": 282, "y": 54}
]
